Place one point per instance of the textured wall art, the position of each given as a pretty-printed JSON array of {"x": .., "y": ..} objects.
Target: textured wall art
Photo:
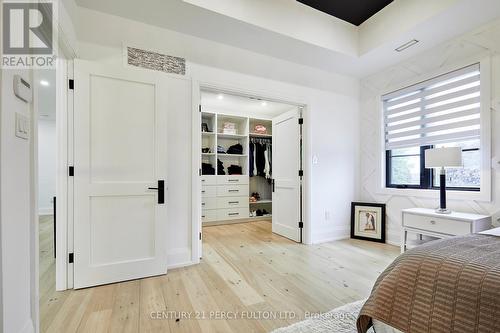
[{"x": 156, "y": 61}]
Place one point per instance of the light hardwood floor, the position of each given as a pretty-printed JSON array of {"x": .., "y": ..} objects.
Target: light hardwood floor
[{"x": 246, "y": 272}]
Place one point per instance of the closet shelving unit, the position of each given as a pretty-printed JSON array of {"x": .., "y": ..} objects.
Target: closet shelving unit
[{"x": 215, "y": 208}]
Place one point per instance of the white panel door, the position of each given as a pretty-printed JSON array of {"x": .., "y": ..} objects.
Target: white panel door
[
  {"x": 286, "y": 165},
  {"x": 119, "y": 153}
]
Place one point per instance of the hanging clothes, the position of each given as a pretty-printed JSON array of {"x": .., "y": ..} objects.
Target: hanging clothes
[
  {"x": 260, "y": 160},
  {"x": 267, "y": 166},
  {"x": 254, "y": 160},
  {"x": 251, "y": 159}
]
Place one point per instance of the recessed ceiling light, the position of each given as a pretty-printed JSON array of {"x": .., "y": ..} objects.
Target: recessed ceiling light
[
  {"x": 220, "y": 96},
  {"x": 44, "y": 83},
  {"x": 406, "y": 45},
  {"x": 264, "y": 103}
]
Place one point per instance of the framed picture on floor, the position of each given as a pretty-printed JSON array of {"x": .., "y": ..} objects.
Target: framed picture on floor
[{"x": 368, "y": 221}]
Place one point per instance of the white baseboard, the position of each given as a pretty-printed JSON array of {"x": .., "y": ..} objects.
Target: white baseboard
[
  {"x": 179, "y": 257},
  {"x": 330, "y": 237},
  {"x": 45, "y": 211}
]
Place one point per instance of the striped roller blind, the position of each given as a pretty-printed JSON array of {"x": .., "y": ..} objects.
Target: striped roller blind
[{"x": 443, "y": 109}]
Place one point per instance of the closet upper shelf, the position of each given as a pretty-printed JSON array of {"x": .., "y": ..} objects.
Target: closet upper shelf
[
  {"x": 259, "y": 135},
  {"x": 231, "y": 136}
]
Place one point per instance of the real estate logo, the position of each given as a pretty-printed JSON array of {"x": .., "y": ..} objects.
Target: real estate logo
[{"x": 29, "y": 34}]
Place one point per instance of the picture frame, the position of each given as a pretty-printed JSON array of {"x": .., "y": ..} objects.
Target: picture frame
[{"x": 368, "y": 221}]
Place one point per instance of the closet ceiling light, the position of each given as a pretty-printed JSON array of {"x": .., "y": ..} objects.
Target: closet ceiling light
[
  {"x": 44, "y": 83},
  {"x": 220, "y": 96},
  {"x": 264, "y": 103}
]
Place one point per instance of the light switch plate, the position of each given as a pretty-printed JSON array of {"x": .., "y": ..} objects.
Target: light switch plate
[{"x": 22, "y": 126}]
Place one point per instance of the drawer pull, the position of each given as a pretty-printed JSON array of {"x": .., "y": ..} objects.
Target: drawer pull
[
  {"x": 203, "y": 216},
  {"x": 433, "y": 222},
  {"x": 233, "y": 190},
  {"x": 233, "y": 180},
  {"x": 233, "y": 202},
  {"x": 203, "y": 191},
  {"x": 203, "y": 180},
  {"x": 203, "y": 204},
  {"x": 233, "y": 214}
]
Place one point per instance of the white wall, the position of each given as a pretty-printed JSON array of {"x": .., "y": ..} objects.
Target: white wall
[
  {"x": 454, "y": 54},
  {"x": 15, "y": 214},
  {"x": 331, "y": 123},
  {"x": 47, "y": 145}
]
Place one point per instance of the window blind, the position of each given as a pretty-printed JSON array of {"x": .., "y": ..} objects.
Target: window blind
[{"x": 444, "y": 109}]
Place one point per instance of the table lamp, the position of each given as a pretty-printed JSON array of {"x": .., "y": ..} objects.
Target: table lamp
[{"x": 443, "y": 158}]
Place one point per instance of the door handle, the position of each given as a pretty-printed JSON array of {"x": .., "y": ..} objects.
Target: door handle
[
  {"x": 161, "y": 191},
  {"x": 272, "y": 183}
]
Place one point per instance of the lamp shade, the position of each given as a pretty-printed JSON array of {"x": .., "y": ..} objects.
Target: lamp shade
[{"x": 443, "y": 157}]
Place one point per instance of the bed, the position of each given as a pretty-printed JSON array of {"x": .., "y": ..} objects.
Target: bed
[{"x": 448, "y": 285}]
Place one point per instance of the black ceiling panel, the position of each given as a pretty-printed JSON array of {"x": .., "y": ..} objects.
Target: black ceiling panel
[{"x": 352, "y": 11}]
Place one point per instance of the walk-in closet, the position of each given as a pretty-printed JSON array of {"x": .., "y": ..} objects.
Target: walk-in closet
[{"x": 244, "y": 176}]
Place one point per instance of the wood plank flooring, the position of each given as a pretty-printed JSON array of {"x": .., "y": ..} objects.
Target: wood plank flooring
[{"x": 257, "y": 280}]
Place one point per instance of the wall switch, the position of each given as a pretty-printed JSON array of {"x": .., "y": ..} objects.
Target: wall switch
[{"x": 22, "y": 126}]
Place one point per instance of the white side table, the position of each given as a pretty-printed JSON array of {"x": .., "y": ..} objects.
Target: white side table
[{"x": 424, "y": 221}]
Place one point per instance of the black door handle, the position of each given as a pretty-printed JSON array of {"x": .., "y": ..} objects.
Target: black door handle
[
  {"x": 272, "y": 183},
  {"x": 161, "y": 191}
]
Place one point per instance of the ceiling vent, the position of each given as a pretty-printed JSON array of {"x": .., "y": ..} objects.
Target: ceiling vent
[{"x": 406, "y": 45}]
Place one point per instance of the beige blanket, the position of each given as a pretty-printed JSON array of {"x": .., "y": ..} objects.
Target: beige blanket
[{"x": 449, "y": 285}]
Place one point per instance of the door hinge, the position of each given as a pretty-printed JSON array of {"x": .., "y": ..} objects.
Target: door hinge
[
  {"x": 71, "y": 258},
  {"x": 71, "y": 171},
  {"x": 200, "y": 235},
  {"x": 199, "y": 107},
  {"x": 301, "y": 224},
  {"x": 301, "y": 173},
  {"x": 71, "y": 84},
  {"x": 301, "y": 121}
]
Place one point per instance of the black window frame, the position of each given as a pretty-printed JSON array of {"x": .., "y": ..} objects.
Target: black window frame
[{"x": 426, "y": 175}]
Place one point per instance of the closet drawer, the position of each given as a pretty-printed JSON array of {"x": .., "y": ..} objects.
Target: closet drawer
[
  {"x": 209, "y": 203},
  {"x": 436, "y": 224},
  {"x": 208, "y": 191},
  {"x": 208, "y": 215},
  {"x": 232, "y": 202},
  {"x": 232, "y": 190},
  {"x": 232, "y": 214},
  {"x": 232, "y": 180},
  {"x": 208, "y": 180}
]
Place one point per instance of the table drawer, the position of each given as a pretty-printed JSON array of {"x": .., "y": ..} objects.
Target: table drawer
[
  {"x": 209, "y": 203},
  {"x": 437, "y": 224},
  {"x": 232, "y": 214},
  {"x": 208, "y": 191},
  {"x": 208, "y": 215},
  {"x": 232, "y": 180},
  {"x": 208, "y": 180},
  {"x": 232, "y": 190},
  {"x": 232, "y": 202}
]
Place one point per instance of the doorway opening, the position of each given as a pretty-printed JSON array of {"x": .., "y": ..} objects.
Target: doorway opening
[{"x": 251, "y": 162}]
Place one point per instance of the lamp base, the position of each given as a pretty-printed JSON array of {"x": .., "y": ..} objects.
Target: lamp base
[{"x": 443, "y": 211}]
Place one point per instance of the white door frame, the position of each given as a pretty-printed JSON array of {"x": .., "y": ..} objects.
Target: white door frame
[
  {"x": 64, "y": 184},
  {"x": 302, "y": 103}
]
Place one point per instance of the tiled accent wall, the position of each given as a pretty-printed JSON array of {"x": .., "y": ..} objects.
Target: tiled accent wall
[
  {"x": 450, "y": 55},
  {"x": 156, "y": 61}
]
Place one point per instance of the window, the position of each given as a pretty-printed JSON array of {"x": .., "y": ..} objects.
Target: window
[{"x": 441, "y": 112}]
